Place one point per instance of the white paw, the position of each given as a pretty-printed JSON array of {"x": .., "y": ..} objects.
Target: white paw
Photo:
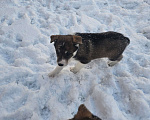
[
  {"x": 73, "y": 69},
  {"x": 52, "y": 74},
  {"x": 112, "y": 63}
]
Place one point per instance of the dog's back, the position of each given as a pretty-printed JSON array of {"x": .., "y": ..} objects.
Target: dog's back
[
  {"x": 99, "y": 45},
  {"x": 100, "y": 36}
]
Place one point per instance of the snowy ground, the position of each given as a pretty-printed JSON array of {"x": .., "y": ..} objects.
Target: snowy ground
[{"x": 121, "y": 92}]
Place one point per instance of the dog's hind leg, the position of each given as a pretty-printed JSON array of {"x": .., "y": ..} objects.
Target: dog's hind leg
[
  {"x": 112, "y": 62},
  {"x": 77, "y": 67}
]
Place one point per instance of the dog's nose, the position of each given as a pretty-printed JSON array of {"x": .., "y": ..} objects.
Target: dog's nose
[{"x": 60, "y": 64}]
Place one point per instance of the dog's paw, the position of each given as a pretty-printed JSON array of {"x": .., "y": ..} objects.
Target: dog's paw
[
  {"x": 52, "y": 74},
  {"x": 73, "y": 69},
  {"x": 112, "y": 63}
]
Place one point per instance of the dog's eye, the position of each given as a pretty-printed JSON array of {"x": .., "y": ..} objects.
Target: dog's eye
[{"x": 68, "y": 53}]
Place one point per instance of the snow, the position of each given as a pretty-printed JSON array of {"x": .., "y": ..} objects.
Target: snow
[{"x": 121, "y": 92}]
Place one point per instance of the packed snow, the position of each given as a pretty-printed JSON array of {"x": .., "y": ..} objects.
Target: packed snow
[{"x": 121, "y": 92}]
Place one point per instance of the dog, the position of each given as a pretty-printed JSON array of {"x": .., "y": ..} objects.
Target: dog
[
  {"x": 84, "y": 114},
  {"x": 84, "y": 47}
]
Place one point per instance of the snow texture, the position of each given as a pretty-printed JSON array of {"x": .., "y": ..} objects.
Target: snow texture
[{"x": 121, "y": 92}]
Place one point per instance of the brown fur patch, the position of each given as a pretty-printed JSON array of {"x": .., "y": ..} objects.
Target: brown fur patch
[
  {"x": 84, "y": 114},
  {"x": 77, "y": 39}
]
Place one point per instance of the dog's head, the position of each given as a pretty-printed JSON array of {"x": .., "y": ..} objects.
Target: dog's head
[
  {"x": 65, "y": 46},
  {"x": 84, "y": 114}
]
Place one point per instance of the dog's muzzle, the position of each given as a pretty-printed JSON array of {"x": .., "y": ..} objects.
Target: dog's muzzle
[{"x": 62, "y": 63}]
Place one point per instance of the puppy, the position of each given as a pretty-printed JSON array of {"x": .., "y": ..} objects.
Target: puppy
[
  {"x": 84, "y": 114},
  {"x": 84, "y": 47}
]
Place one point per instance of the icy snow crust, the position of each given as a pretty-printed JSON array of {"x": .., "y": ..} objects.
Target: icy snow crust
[{"x": 121, "y": 92}]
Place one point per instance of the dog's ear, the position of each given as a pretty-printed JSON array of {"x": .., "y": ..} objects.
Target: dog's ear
[
  {"x": 77, "y": 39},
  {"x": 53, "y": 38},
  {"x": 83, "y": 112}
]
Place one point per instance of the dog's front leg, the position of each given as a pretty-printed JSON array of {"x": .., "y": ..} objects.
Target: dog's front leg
[
  {"x": 55, "y": 71},
  {"x": 77, "y": 67}
]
